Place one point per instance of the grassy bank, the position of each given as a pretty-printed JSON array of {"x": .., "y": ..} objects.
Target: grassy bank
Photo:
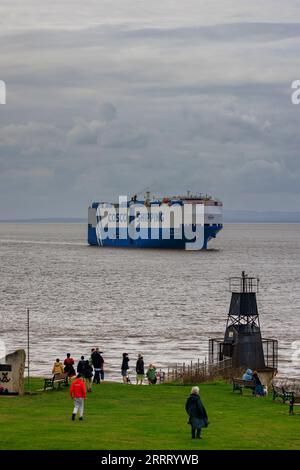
[{"x": 121, "y": 416}]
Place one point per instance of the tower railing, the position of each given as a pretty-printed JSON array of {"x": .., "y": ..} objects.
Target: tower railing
[
  {"x": 243, "y": 284},
  {"x": 218, "y": 353}
]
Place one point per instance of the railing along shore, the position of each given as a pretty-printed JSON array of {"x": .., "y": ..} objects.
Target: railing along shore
[{"x": 198, "y": 371}]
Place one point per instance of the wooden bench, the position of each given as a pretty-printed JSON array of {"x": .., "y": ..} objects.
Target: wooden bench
[
  {"x": 57, "y": 379},
  {"x": 240, "y": 384},
  {"x": 282, "y": 393}
]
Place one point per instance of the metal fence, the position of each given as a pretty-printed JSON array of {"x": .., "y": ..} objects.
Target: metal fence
[
  {"x": 220, "y": 351},
  {"x": 195, "y": 372}
]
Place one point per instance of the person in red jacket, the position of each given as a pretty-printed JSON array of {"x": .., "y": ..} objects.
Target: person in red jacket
[
  {"x": 78, "y": 393},
  {"x": 69, "y": 366}
]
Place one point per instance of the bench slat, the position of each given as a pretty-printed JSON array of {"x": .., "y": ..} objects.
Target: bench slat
[
  {"x": 240, "y": 384},
  {"x": 56, "y": 379}
]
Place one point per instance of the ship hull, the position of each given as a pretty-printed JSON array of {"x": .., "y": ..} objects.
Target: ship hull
[
  {"x": 176, "y": 223},
  {"x": 210, "y": 232}
]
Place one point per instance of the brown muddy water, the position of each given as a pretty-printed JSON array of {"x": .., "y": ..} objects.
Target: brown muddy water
[{"x": 164, "y": 304}]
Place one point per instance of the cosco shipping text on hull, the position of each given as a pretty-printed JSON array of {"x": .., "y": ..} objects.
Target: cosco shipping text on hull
[{"x": 180, "y": 222}]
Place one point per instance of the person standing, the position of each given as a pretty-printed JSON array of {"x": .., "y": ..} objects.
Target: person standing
[
  {"x": 124, "y": 368},
  {"x": 151, "y": 374},
  {"x": 140, "y": 370},
  {"x": 88, "y": 374},
  {"x": 78, "y": 394},
  {"x": 101, "y": 365},
  {"x": 69, "y": 366},
  {"x": 92, "y": 353},
  {"x": 80, "y": 365},
  {"x": 98, "y": 362},
  {"x": 57, "y": 368},
  {"x": 197, "y": 413}
]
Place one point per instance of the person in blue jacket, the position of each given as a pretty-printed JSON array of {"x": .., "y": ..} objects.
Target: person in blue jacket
[
  {"x": 197, "y": 413},
  {"x": 247, "y": 375}
]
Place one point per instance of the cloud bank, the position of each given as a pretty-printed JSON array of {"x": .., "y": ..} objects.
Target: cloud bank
[{"x": 108, "y": 98}]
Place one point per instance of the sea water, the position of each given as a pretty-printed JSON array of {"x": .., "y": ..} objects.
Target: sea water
[{"x": 161, "y": 303}]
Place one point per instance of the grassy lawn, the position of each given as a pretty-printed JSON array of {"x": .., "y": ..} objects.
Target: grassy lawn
[{"x": 121, "y": 416}]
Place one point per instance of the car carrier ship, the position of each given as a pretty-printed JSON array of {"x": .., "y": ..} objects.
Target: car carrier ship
[{"x": 146, "y": 223}]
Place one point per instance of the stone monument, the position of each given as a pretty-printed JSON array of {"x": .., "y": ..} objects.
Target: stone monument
[{"x": 12, "y": 373}]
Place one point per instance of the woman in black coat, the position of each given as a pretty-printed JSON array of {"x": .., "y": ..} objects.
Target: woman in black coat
[
  {"x": 259, "y": 389},
  {"x": 124, "y": 368},
  {"x": 197, "y": 413},
  {"x": 88, "y": 374}
]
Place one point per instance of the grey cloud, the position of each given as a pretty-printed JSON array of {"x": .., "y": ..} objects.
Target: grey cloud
[
  {"x": 95, "y": 36},
  {"x": 254, "y": 31},
  {"x": 86, "y": 133},
  {"x": 108, "y": 112},
  {"x": 95, "y": 111},
  {"x": 126, "y": 136},
  {"x": 31, "y": 139}
]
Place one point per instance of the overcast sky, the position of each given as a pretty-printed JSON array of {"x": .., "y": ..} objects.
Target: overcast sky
[{"x": 108, "y": 97}]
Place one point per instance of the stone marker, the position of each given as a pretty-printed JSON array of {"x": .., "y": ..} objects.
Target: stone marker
[{"x": 12, "y": 372}]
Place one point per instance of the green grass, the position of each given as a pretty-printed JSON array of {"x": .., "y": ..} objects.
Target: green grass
[{"x": 121, "y": 416}]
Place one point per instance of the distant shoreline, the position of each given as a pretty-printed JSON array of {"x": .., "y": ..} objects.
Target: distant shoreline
[
  {"x": 44, "y": 221},
  {"x": 227, "y": 220}
]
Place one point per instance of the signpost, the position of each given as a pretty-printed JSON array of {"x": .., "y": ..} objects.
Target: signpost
[{"x": 28, "y": 341}]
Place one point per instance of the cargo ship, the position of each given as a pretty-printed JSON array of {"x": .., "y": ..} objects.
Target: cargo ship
[{"x": 186, "y": 222}]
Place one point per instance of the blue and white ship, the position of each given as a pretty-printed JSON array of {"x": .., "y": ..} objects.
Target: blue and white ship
[{"x": 181, "y": 222}]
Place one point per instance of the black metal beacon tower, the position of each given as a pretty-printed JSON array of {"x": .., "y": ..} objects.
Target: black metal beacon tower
[{"x": 243, "y": 342}]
